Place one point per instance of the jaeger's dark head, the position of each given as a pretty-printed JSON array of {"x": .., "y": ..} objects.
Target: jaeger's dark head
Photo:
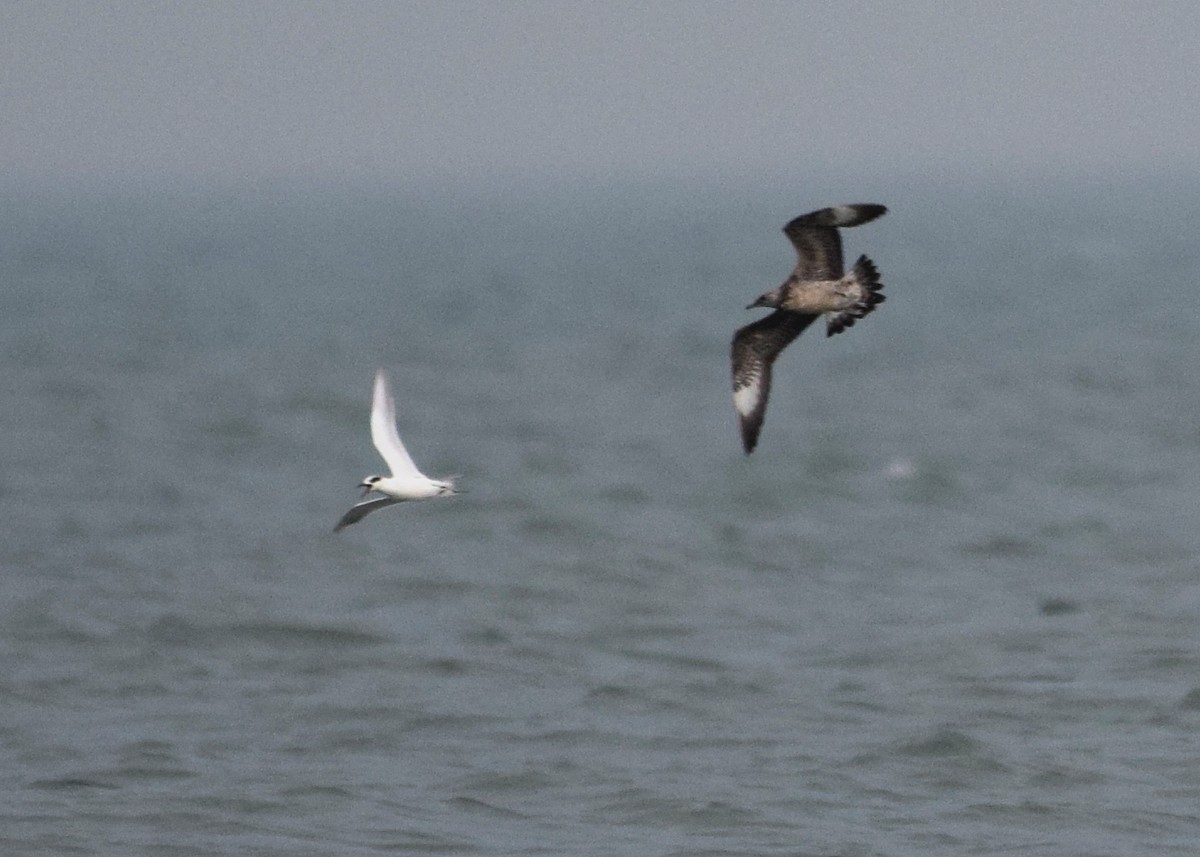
[{"x": 768, "y": 299}]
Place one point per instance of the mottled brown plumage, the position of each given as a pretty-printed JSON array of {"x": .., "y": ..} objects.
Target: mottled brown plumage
[{"x": 817, "y": 286}]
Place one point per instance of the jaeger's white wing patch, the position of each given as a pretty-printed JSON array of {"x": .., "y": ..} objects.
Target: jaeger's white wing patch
[
  {"x": 844, "y": 214},
  {"x": 753, "y": 352},
  {"x": 750, "y": 402},
  {"x": 747, "y": 398}
]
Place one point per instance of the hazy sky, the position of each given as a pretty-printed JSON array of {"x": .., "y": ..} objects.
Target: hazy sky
[{"x": 421, "y": 92}]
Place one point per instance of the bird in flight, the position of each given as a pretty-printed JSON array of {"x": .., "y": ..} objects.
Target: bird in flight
[
  {"x": 406, "y": 481},
  {"x": 818, "y": 286}
]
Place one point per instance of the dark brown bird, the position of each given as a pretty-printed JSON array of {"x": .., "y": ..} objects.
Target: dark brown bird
[{"x": 818, "y": 286}]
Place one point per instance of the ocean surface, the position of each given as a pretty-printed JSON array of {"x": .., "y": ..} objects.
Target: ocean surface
[{"x": 951, "y": 606}]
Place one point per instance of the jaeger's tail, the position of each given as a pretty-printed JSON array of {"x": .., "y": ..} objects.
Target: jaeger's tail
[{"x": 865, "y": 277}]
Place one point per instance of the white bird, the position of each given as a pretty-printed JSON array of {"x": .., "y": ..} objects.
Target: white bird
[{"x": 406, "y": 482}]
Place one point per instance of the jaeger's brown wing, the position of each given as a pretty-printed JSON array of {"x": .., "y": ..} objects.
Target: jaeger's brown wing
[
  {"x": 817, "y": 242},
  {"x": 753, "y": 352}
]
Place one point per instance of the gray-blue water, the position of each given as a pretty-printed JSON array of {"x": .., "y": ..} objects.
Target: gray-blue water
[{"x": 950, "y": 606}]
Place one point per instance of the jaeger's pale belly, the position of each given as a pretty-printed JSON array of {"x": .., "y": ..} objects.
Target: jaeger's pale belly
[{"x": 818, "y": 296}]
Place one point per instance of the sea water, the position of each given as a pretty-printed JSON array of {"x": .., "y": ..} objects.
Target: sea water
[{"x": 951, "y": 605}]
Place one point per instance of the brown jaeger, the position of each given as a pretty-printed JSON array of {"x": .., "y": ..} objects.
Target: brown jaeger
[{"x": 818, "y": 286}]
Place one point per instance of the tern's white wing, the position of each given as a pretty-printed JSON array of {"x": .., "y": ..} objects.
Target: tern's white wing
[{"x": 384, "y": 434}]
